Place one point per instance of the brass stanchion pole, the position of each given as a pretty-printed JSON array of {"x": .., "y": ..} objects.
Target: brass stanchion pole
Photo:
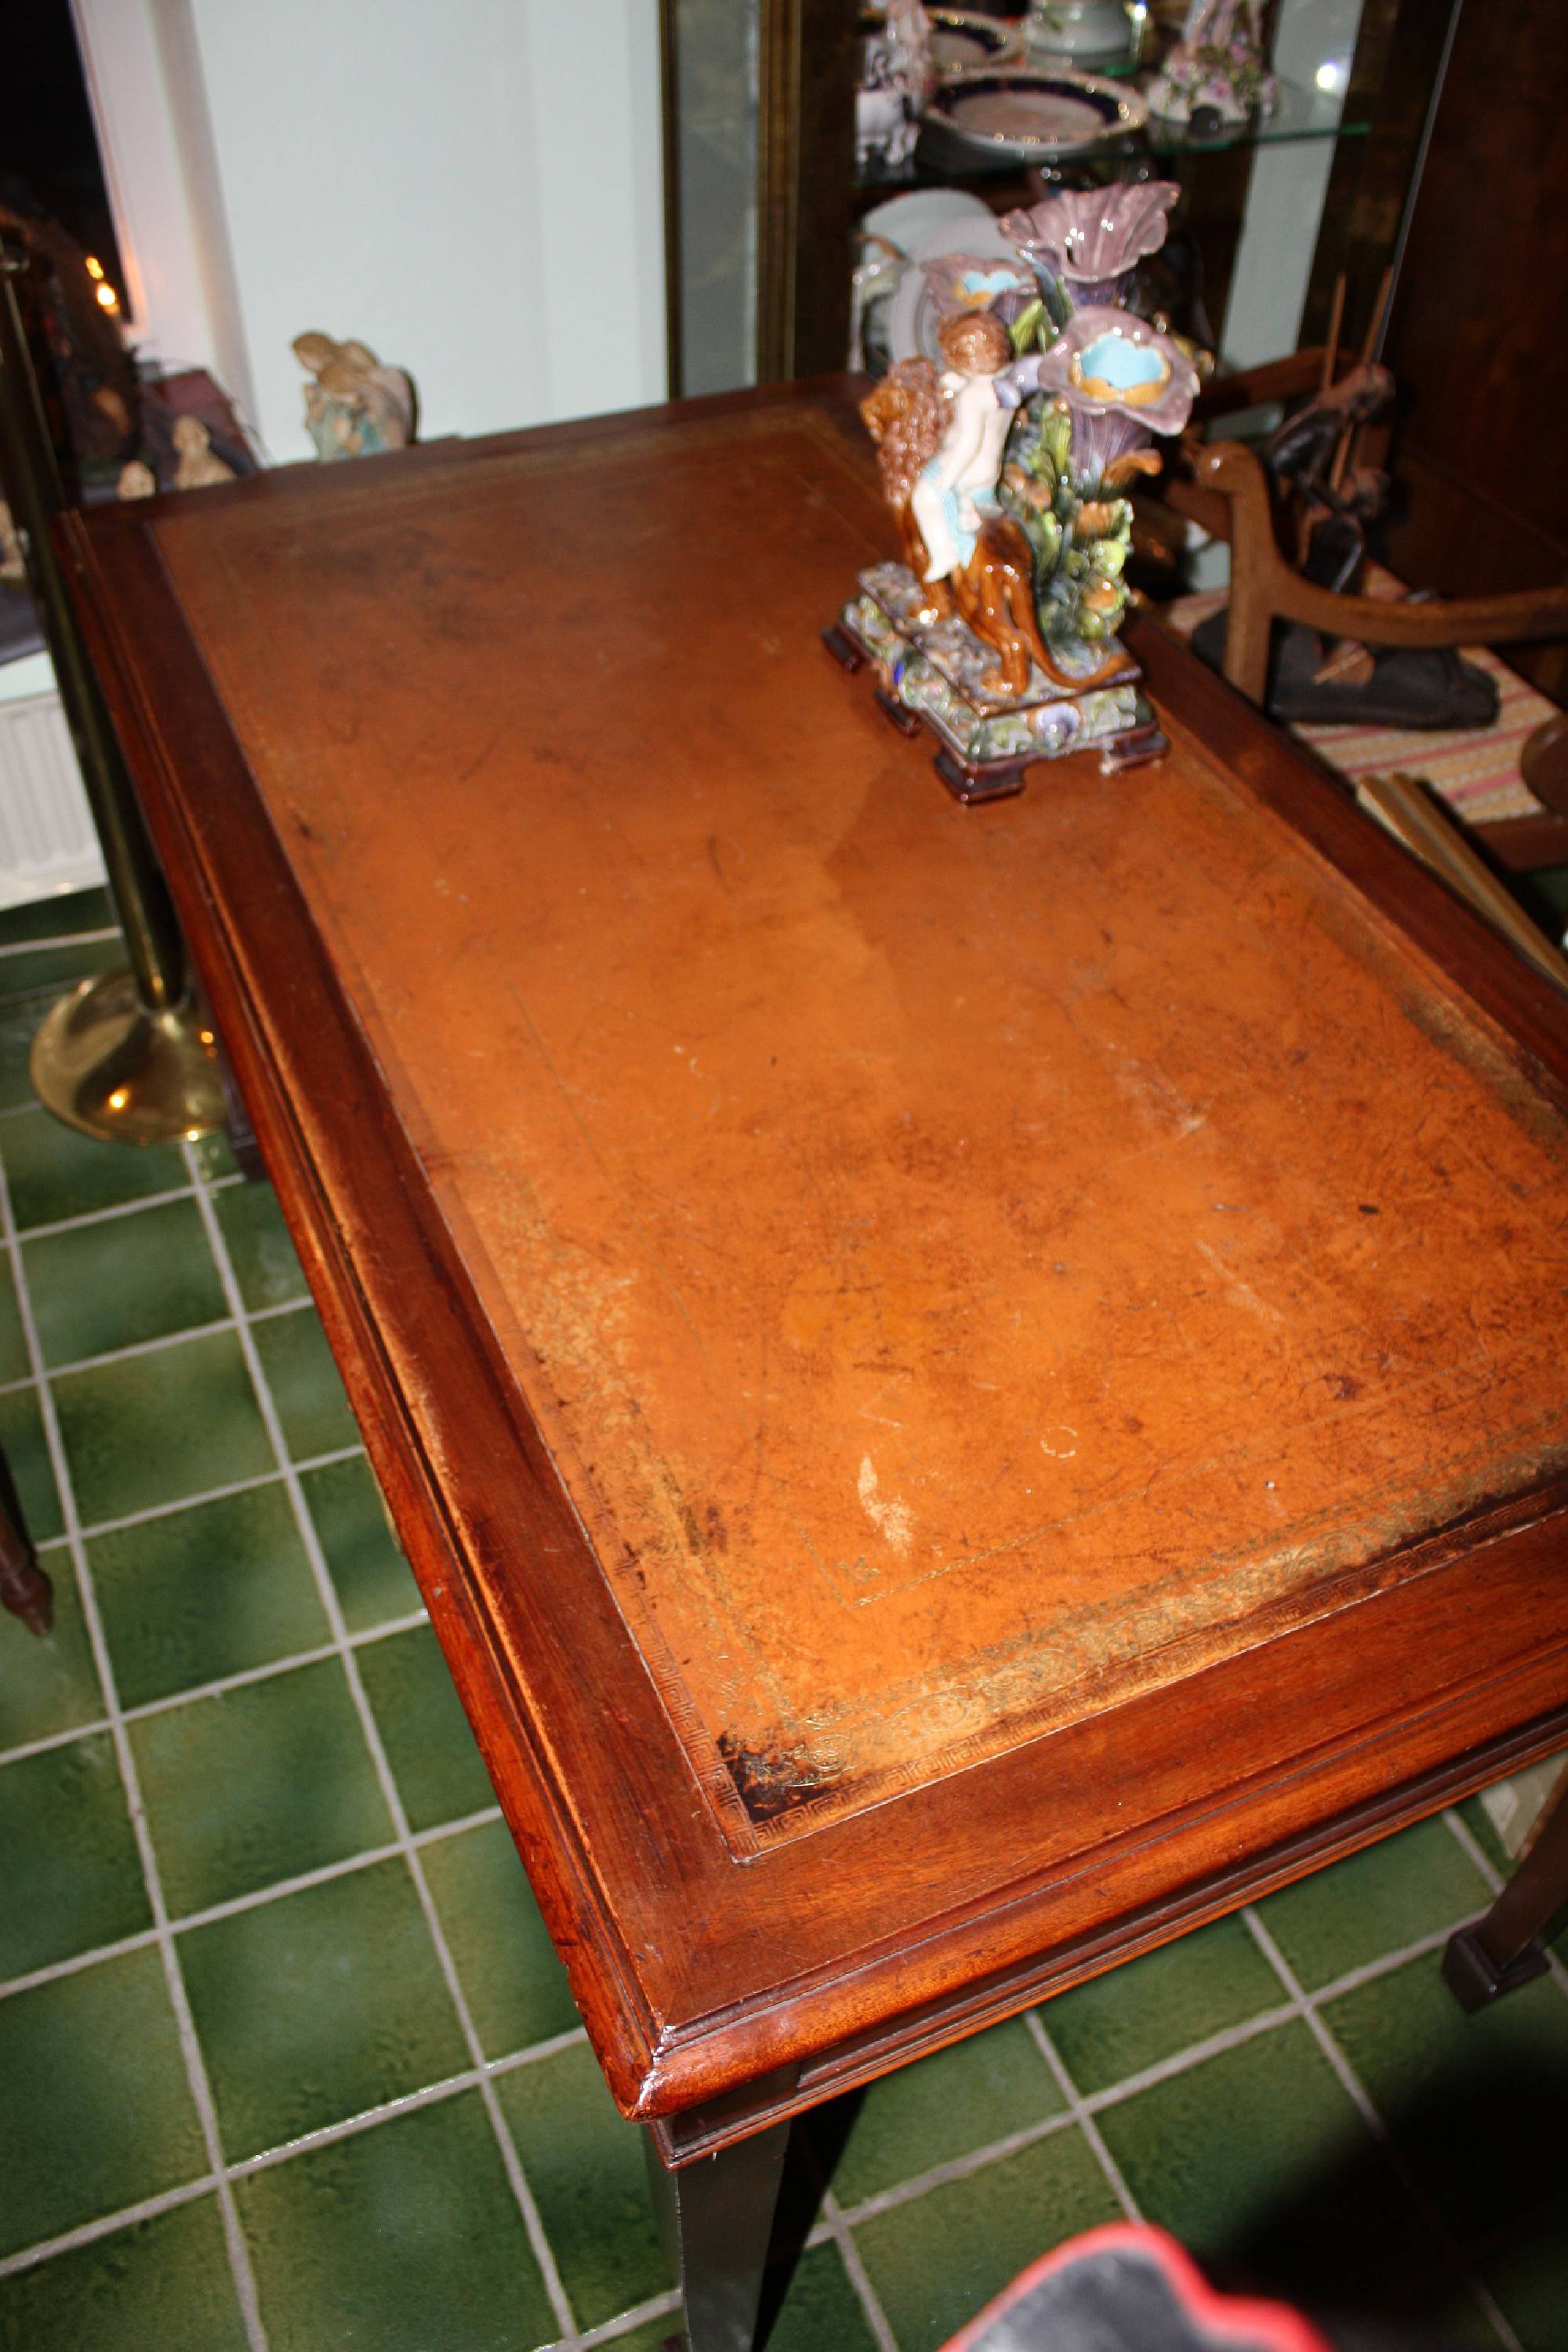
[{"x": 126, "y": 1055}]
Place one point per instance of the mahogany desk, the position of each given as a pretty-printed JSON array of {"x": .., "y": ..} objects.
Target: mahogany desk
[{"x": 968, "y": 1388}]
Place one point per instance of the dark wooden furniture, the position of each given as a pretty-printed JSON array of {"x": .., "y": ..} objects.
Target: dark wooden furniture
[
  {"x": 1508, "y": 1948},
  {"x": 968, "y": 1389},
  {"x": 24, "y": 1589},
  {"x": 1476, "y": 336},
  {"x": 1228, "y": 491}
]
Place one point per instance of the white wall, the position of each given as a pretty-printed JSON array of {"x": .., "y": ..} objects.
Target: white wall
[{"x": 473, "y": 187}]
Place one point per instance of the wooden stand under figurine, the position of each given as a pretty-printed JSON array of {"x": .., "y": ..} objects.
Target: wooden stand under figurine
[
  {"x": 932, "y": 675},
  {"x": 1008, "y": 475}
]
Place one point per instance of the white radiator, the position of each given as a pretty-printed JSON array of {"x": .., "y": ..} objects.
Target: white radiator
[{"x": 47, "y": 839}]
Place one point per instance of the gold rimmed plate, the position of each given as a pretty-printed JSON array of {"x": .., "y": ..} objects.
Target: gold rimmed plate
[
  {"x": 963, "y": 41},
  {"x": 1018, "y": 112}
]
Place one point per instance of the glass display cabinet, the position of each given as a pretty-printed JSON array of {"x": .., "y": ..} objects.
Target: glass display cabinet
[{"x": 764, "y": 196}]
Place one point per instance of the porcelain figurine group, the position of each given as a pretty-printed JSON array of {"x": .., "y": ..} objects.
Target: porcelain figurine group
[{"x": 1008, "y": 468}]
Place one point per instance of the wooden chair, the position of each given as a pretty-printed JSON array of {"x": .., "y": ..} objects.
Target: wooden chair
[{"x": 1225, "y": 489}]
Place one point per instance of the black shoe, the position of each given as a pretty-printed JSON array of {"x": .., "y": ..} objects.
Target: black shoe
[{"x": 1410, "y": 687}]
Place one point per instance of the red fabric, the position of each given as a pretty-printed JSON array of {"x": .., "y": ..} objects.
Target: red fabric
[{"x": 1233, "y": 2318}]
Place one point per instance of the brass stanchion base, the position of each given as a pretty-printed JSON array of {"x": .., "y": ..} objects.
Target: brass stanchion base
[{"x": 104, "y": 1062}]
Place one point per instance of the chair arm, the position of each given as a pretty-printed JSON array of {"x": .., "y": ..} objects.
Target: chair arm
[{"x": 1265, "y": 588}]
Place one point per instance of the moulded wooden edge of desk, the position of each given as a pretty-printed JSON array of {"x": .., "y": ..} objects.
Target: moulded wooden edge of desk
[{"x": 887, "y": 1933}]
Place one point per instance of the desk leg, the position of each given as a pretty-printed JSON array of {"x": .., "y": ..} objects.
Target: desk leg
[
  {"x": 24, "y": 1589},
  {"x": 1508, "y": 1948},
  {"x": 717, "y": 2217}
]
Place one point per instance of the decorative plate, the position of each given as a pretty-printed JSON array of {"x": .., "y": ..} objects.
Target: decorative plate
[
  {"x": 915, "y": 310},
  {"x": 1034, "y": 116},
  {"x": 963, "y": 40}
]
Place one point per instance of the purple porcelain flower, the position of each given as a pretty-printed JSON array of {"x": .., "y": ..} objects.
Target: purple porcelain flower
[
  {"x": 1121, "y": 379},
  {"x": 1106, "y": 362},
  {"x": 1091, "y": 238},
  {"x": 973, "y": 281}
]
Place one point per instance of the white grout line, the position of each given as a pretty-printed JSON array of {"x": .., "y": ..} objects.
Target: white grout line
[
  {"x": 837, "y": 2225},
  {"x": 239, "y": 1680},
  {"x": 1086, "y": 2106},
  {"x": 1351, "y": 2083},
  {"x": 327, "y": 2136},
  {"x": 235, "y": 1905},
  {"x": 1182, "y": 2062},
  {"x": 27, "y": 1747},
  {"x": 870, "y": 2302},
  {"x": 327, "y": 1871},
  {"x": 53, "y": 1971},
  {"x": 657, "y": 2306},
  {"x": 1478, "y": 1855},
  {"x": 218, "y": 1493},
  {"x": 137, "y": 1348},
  {"x": 116, "y": 1209},
  {"x": 407, "y": 2103},
  {"x": 1081, "y": 2114},
  {"x": 276, "y": 1890},
  {"x": 955, "y": 2167},
  {"x": 59, "y": 939},
  {"x": 269, "y": 1672},
  {"x": 543, "y": 2253},
  {"x": 89, "y": 2232},
  {"x": 573, "y": 2038},
  {"x": 173, "y": 1339},
  {"x": 196, "y": 2068}
]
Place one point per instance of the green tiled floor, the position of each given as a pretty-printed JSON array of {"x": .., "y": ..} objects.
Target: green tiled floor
[{"x": 285, "y": 2059}]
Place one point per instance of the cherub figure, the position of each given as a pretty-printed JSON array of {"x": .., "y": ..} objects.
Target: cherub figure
[
  {"x": 940, "y": 443},
  {"x": 959, "y": 479}
]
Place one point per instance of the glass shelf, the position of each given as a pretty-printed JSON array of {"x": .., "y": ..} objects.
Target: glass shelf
[{"x": 1301, "y": 115}]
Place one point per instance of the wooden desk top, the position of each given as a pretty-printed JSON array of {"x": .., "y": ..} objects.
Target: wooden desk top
[{"x": 962, "y": 1382}]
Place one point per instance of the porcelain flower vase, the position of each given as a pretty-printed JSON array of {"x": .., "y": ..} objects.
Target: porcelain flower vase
[{"x": 1009, "y": 471}]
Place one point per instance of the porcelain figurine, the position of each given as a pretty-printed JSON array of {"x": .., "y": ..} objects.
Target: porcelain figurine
[
  {"x": 1091, "y": 35},
  {"x": 1008, "y": 474},
  {"x": 137, "y": 480},
  {"x": 896, "y": 77},
  {"x": 1218, "y": 68},
  {"x": 968, "y": 458},
  {"x": 1111, "y": 383},
  {"x": 354, "y": 407}
]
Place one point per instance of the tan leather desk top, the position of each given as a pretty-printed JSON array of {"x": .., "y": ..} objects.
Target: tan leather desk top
[{"x": 967, "y": 1267}]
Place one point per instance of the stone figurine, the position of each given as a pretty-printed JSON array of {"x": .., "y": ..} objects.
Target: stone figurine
[
  {"x": 354, "y": 407},
  {"x": 198, "y": 465},
  {"x": 1009, "y": 475}
]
